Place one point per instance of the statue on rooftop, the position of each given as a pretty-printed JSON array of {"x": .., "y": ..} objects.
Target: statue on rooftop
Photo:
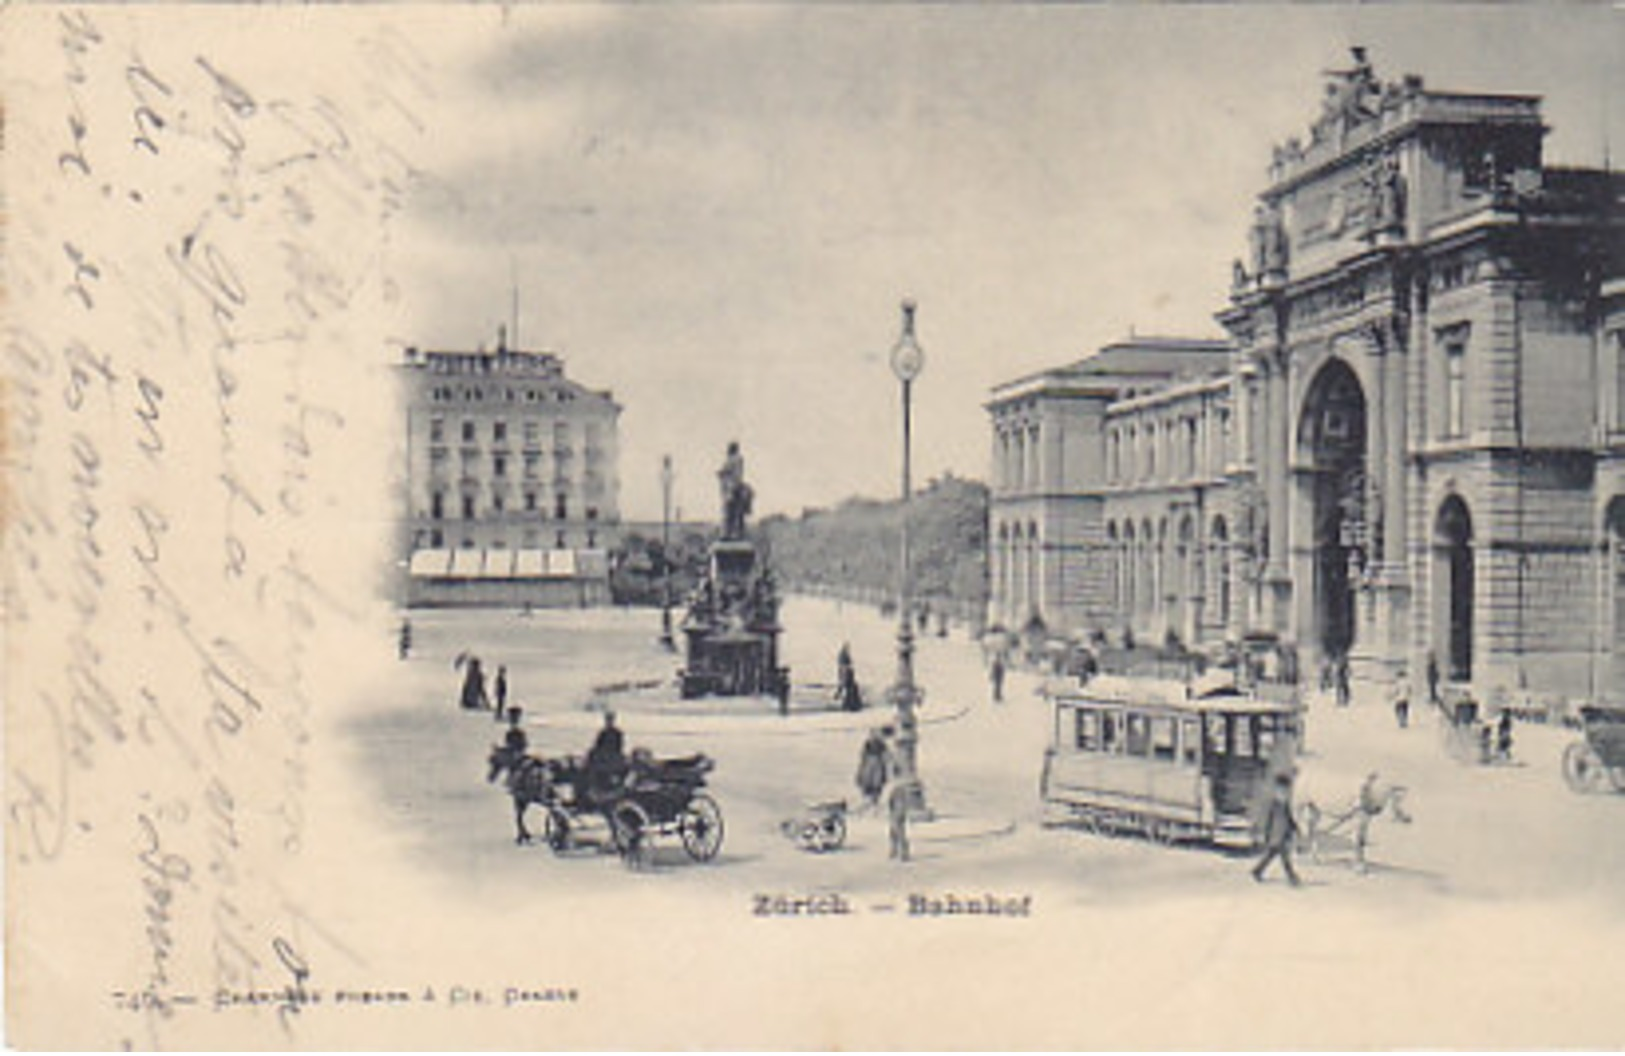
[
  {"x": 1268, "y": 241},
  {"x": 1353, "y": 96}
]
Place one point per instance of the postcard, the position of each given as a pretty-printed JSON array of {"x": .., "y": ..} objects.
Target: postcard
[{"x": 813, "y": 527}]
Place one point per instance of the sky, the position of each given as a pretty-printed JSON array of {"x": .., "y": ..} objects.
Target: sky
[{"x": 715, "y": 211}]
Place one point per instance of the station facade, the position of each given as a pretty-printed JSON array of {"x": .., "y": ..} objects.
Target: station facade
[
  {"x": 1414, "y": 446},
  {"x": 512, "y": 488}
]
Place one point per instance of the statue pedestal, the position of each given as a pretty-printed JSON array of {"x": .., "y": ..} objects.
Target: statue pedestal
[{"x": 731, "y": 633}]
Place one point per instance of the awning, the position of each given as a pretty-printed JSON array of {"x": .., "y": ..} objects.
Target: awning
[
  {"x": 467, "y": 564},
  {"x": 430, "y": 562},
  {"x": 504, "y": 564}
]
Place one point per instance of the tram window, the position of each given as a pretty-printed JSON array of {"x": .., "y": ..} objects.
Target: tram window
[
  {"x": 1108, "y": 733},
  {"x": 1246, "y": 736},
  {"x": 1088, "y": 730},
  {"x": 1162, "y": 738},
  {"x": 1190, "y": 742},
  {"x": 1139, "y": 735}
]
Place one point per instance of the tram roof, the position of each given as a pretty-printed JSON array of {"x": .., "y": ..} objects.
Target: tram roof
[{"x": 1168, "y": 693}]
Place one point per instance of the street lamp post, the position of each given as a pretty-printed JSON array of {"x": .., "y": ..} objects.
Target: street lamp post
[
  {"x": 665, "y": 552},
  {"x": 907, "y": 360}
]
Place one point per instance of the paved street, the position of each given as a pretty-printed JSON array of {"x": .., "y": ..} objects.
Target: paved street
[
  {"x": 1483, "y": 832},
  {"x": 1505, "y": 891}
]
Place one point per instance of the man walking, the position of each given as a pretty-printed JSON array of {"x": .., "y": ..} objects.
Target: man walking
[
  {"x": 500, "y": 686},
  {"x": 1279, "y": 829},
  {"x": 996, "y": 675},
  {"x": 897, "y": 807}
]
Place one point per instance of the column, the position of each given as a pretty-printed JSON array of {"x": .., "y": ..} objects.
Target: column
[
  {"x": 1277, "y": 484},
  {"x": 1388, "y": 467}
]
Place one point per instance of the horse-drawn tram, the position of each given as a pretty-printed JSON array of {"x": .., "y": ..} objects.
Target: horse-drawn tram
[{"x": 1165, "y": 760}]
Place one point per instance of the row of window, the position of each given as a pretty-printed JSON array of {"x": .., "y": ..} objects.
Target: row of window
[
  {"x": 1175, "y": 739},
  {"x": 592, "y": 480},
  {"x": 1144, "y": 736},
  {"x": 499, "y": 433},
  {"x": 499, "y": 505},
  {"x": 1172, "y": 448},
  {"x": 474, "y": 394},
  {"x": 1018, "y": 456},
  {"x": 532, "y": 541},
  {"x": 1453, "y": 343},
  {"x": 1140, "y": 577}
]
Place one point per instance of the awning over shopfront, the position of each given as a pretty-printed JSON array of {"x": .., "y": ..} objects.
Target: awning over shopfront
[
  {"x": 430, "y": 562},
  {"x": 502, "y": 564}
]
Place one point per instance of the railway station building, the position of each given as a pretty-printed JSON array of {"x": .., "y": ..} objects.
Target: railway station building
[{"x": 1411, "y": 442}]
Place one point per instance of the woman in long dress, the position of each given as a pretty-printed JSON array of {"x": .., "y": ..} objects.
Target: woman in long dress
[{"x": 873, "y": 760}]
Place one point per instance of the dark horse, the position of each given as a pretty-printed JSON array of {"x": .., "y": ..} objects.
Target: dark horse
[
  {"x": 530, "y": 781},
  {"x": 542, "y": 782}
]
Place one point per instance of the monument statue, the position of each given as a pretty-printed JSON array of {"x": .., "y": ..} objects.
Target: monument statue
[
  {"x": 732, "y": 626},
  {"x": 736, "y": 494}
]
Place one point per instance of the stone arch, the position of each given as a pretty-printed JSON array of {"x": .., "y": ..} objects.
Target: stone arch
[
  {"x": 1332, "y": 440},
  {"x": 1453, "y": 587},
  {"x": 1186, "y": 585},
  {"x": 1219, "y": 570}
]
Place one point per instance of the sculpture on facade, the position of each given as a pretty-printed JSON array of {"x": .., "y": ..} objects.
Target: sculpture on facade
[
  {"x": 1268, "y": 239},
  {"x": 1385, "y": 196},
  {"x": 1254, "y": 531}
]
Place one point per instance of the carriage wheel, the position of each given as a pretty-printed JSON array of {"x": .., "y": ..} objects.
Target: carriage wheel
[
  {"x": 629, "y": 826},
  {"x": 832, "y": 833},
  {"x": 556, "y": 830},
  {"x": 1163, "y": 832},
  {"x": 1581, "y": 768},
  {"x": 701, "y": 827}
]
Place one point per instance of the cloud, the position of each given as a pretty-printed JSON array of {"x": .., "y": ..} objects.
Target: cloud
[{"x": 714, "y": 210}]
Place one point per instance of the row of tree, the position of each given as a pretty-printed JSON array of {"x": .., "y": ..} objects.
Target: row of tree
[
  {"x": 850, "y": 550},
  {"x": 853, "y": 548}
]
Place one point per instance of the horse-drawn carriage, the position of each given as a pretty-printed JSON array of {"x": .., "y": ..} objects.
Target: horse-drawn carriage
[
  {"x": 630, "y": 804},
  {"x": 1599, "y": 757}
]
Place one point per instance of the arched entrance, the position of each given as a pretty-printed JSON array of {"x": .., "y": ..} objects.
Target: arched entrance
[
  {"x": 1453, "y": 585},
  {"x": 1332, "y": 446},
  {"x": 1219, "y": 566},
  {"x": 1187, "y": 566}
]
